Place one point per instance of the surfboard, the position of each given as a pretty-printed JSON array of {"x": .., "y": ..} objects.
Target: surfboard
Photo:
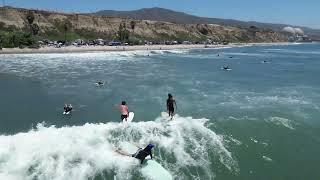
[
  {"x": 130, "y": 118},
  {"x": 165, "y": 115},
  {"x": 66, "y": 113},
  {"x": 226, "y": 69},
  {"x": 150, "y": 169},
  {"x": 97, "y": 84}
]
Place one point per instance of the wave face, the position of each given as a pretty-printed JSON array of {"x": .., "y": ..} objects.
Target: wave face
[{"x": 184, "y": 146}]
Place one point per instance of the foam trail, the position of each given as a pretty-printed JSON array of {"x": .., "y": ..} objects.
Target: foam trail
[
  {"x": 281, "y": 121},
  {"x": 82, "y": 152}
]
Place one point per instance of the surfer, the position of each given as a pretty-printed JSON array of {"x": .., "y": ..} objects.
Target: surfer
[
  {"x": 67, "y": 108},
  {"x": 170, "y": 105},
  {"x": 141, "y": 154},
  {"x": 226, "y": 68},
  {"x": 124, "y": 110},
  {"x": 99, "y": 83}
]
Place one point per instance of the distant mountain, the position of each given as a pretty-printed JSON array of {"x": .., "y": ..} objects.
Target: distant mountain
[
  {"x": 161, "y": 14},
  {"x": 63, "y": 26}
]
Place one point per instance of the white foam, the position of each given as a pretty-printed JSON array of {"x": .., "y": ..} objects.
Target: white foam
[
  {"x": 267, "y": 158},
  {"x": 276, "y": 99},
  {"x": 82, "y": 152},
  {"x": 243, "y": 54},
  {"x": 282, "y": 121},
  {"x": 291, "y": 51},
  {"x": 254, "y": 140}
]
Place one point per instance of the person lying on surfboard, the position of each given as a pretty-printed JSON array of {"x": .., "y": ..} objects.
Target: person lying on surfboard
[
  {"x": 226, "y": 68},
  {"x": 100, "y": 83},
  {"x": 141, "y": 154},
  {"x": 124, "y": 110},
  {"x": 170, "y": 105}
]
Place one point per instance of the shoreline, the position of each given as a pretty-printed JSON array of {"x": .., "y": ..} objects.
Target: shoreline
[{"x": 88, "y": 49}]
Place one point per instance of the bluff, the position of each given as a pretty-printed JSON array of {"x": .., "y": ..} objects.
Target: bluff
[
  {"x": 58, "y": 26},
  {"x": 162, "y": 14}
]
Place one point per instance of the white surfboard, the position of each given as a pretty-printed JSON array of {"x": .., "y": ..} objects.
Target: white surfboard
[
  {"x": 150, "y": 169},
  {"x": 66, "y": 113},
  {"x": 226, "y": 69},
  {"x": 130, "y": 118},
  {"x": 97, "y": 84},
  {"x": 164, "y": 115}
]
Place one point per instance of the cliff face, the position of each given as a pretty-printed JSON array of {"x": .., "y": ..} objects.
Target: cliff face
[{"x": 53, "y": 25}]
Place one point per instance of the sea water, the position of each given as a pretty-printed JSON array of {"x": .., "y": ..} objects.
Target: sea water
[{"x": 258, "y": 121}]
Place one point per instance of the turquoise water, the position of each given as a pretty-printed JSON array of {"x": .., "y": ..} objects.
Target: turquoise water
[{"x": 258, "y": 121}]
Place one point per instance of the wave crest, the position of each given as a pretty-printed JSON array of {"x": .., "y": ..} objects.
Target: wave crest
[{"x": 184, "y": 146}]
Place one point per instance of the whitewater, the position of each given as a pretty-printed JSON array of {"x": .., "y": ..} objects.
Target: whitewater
[
  {"x": 257, "y": 121},
  {"x": 88, "y": 151}
]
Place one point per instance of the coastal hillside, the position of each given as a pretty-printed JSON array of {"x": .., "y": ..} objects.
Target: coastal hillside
[
  {"x": 161, "y": 14},
  {"x": 62, "y": 26}
]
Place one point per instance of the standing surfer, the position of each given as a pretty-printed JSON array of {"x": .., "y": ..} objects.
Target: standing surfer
[
  {"x": 170, "y": 105},
  {"x": 124, "y": 110}
]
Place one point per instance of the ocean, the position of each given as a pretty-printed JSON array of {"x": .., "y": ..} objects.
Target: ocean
[{"x": 258, "y": 121}]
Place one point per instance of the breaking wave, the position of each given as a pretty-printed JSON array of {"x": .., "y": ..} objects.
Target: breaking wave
[{"x": 185, "y": 147}]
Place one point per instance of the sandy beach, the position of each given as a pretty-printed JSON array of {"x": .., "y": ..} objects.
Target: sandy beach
[{"x": 74, "y": 49}]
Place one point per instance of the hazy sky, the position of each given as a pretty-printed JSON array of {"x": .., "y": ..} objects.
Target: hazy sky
[{"x": 294, "y": 12}]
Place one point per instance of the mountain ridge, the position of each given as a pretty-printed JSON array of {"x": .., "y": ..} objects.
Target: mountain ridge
[
  {"x": 167, "y": 15},
  {"x": 28, "y": 24}
]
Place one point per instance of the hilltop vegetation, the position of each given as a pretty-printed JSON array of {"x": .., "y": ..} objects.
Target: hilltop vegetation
[
  {"x": 161, "y": 14},
  {"x": 23, "y": 27}
]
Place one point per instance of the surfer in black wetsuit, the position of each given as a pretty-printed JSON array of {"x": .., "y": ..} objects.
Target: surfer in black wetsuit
[
  {"x": 67, "y": 108},
  {"x": 170, "y": 105},
  {"x": 99, "y": 83},
  {"x": 141, "y": 154},
  {"x": 225, "y": 68}
]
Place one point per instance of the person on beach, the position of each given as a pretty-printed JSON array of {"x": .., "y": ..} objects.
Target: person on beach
[
  {"x": 124, "y": 110},
  {"x": 141, "y": 154},
  {"x": 170, "y": 105}
]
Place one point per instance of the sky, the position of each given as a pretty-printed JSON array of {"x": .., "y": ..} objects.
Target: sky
[{"x": 302, "y": 13}]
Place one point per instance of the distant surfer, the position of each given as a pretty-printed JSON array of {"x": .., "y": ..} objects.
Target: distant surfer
[
  {"x": 226, "y": 68},
  {"x": 141, "y": 154},
  {"x": 99, "y": 83},
  {"x": 67, "y": 108},
  {"x": 170, "y": 105},
  {"x": 124, "y": 110}
]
